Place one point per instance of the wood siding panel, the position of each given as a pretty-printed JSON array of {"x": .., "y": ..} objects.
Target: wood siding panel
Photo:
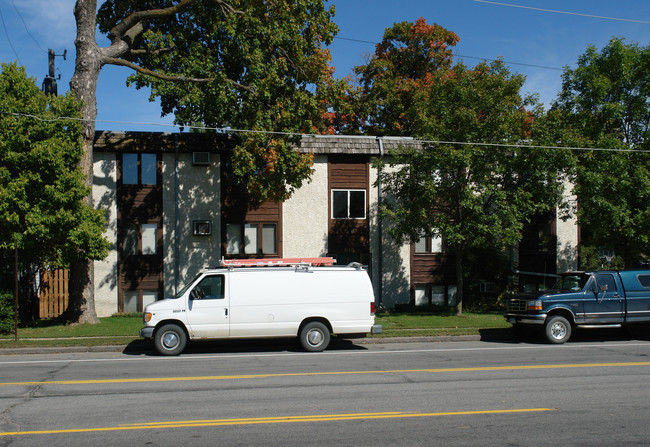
[
  {"x": 348, "y": 236},
  {"x": 432, "y": 269}
]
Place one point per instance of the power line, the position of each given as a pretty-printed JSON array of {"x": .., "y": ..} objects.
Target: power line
[
  {"x": 592, "y": 16},
  {"x": 545, "y": 67},
  {"x": 27, "y": 29},
  {"x": 4, "y": 25},
  {"x": 303, "y": 135}
]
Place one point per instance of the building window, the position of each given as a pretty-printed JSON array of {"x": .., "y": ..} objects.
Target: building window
[
  {"x": 142, "y": 239},
  {"x": 429, "y": 244},
  {"x": 149, "y": 245},
  {"x": 544, "y": 238},
  {"x": 430, "y": 294},
  {"x": 348, "y": 204},
  {"x": 139, "y": 169},
  {"x": 130, "y": 241},
  {"x": 132, "y": 300},
  {"x": 251, "y": 239}
]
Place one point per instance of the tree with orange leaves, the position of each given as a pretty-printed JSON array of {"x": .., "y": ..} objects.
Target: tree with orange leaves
[{"x": 461, "y": 185}]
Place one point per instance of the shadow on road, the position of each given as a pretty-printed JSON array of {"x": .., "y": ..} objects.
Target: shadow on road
[
  {"x": 536, "y": 335},
  {"x": 147, "y": 348}
]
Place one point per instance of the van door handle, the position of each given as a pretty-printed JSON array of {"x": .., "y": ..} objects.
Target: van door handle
[{"x": 226, "y": 311}]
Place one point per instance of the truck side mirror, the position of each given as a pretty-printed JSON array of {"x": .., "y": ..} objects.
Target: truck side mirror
[{"x": 603, "y": 288}]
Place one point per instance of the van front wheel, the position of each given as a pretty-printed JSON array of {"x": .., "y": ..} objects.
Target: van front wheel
[
  {"x": 314, "y": 336},
  {"x": 170, "y": 340}
]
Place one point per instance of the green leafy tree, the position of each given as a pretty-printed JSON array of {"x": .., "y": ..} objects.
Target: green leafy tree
[
  {"x": 240, "y": 64},
  {"x": 606, "y": 101},
  {"x": 474, "y": 195},
  {"x": 42, "y": 189}
]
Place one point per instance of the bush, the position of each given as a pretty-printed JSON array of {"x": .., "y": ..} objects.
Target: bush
[{"x": 6, "y": 312}]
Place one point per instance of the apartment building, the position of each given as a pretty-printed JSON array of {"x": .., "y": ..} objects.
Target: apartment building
[{"x": 173, "y": 208}]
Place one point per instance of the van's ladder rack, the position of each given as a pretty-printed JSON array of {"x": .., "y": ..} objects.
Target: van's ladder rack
[{"x": 278, "y": 262}]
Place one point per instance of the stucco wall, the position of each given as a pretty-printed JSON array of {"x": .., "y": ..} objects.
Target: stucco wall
[
  {"x": 393, "y": 259},
  {"x": 104, "y": 189},
  {"x": 198, "y": 198},
  {"x": 305, "y": 218},
  {"x": 567, "y": 235}
]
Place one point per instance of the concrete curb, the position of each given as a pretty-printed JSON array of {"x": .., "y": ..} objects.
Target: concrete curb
[{"x": 145, "y": 346}]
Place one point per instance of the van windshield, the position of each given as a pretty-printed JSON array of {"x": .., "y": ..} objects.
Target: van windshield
[
  {"x": 571, "y": 283},
  {"x": 187, "y": 286}
]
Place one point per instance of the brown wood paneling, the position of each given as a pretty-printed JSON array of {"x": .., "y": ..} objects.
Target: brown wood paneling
[
  {"x": 238, "y": 207},
  {"x": 348, "y": 236},
  {"x": 432, "y": 268},
  {"x": 137, "y": 205}
]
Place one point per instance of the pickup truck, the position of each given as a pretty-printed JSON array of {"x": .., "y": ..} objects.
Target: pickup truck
[{"x": 586, "y": 300}]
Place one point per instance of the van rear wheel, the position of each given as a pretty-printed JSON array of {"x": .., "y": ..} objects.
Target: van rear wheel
[
  {"x": 170, "y": 340},
  {"x": 314, "y": 336}
]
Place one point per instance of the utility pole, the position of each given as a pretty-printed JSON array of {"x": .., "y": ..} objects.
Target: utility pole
[{"x": 49, "y": 83}]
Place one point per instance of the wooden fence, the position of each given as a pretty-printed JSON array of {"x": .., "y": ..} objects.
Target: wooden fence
[{"x": 53, "y": 296}]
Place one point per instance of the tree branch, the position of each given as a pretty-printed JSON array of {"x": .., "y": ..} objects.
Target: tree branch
[
  {"x": 166, "y": 77},
  {"x": 137, "y": 17}
]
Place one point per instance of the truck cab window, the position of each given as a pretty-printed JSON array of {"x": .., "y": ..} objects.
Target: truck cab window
[
  {"x": 605, "y": 282},
  {"x": 210, "y": 288}
]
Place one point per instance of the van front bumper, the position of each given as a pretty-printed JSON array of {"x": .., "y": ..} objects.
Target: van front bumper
[{"x": 146, "y": 332}]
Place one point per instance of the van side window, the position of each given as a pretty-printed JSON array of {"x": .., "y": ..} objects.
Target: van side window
[
  {"x": 644, "y": 280},
  {"x": 606, "y": 280},
  {"x": 210, "y": 288}
]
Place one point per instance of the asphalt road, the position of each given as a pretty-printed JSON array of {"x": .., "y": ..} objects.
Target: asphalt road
[{"x": 589, "y": 392}]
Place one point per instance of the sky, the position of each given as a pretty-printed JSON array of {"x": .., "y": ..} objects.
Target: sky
[{"x": 537, "y": 38}]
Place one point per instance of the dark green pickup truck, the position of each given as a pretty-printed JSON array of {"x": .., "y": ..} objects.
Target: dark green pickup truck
[{"x": 584, "y": 299}]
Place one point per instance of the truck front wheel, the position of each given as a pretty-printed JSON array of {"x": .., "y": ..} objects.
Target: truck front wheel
[
  {"x": 314, "y": 336},
  {"x": 170, "y": 340},
  {"x": 558, "y": 329}
]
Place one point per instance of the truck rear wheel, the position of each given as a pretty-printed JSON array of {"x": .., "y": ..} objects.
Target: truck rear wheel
[
  {"x": 170, "y": 340},
  {"x": 558, "y": 329},
  {"x": 314, "y": 336}
]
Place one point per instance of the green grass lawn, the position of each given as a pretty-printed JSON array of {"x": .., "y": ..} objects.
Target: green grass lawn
[
  {"x": 429, "y": 324},
  {"x": 122, "y": 330}
]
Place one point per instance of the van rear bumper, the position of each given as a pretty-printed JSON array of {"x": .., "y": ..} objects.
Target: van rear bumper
[{"x": 376, "y": 329}]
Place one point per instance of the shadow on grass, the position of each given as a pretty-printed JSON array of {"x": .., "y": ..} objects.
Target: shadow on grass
[{"x": 147, "y": 348}]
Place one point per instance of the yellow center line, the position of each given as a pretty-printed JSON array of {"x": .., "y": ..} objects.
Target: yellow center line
[
  {"x": 270, "y": 420},
  {"x": 324, "y": 373}
]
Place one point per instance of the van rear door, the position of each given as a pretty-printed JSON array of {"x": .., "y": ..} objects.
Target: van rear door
[{"x": 208, "y": 307}]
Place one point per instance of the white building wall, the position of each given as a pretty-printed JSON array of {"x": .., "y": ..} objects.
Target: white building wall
[
  {"x": 394, "y": 260},
  {"x": 104, "y": 197},
  {"x": 567, "y": 235},
  {"x": 305, "y": 216},
  {"x": 197, "y": 197}
]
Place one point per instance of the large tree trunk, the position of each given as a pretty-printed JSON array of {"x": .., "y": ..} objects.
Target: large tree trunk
[{"x": 81, "y": 306}]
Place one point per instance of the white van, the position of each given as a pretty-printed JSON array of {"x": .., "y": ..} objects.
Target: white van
[{"x": 304, "y": 298}]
